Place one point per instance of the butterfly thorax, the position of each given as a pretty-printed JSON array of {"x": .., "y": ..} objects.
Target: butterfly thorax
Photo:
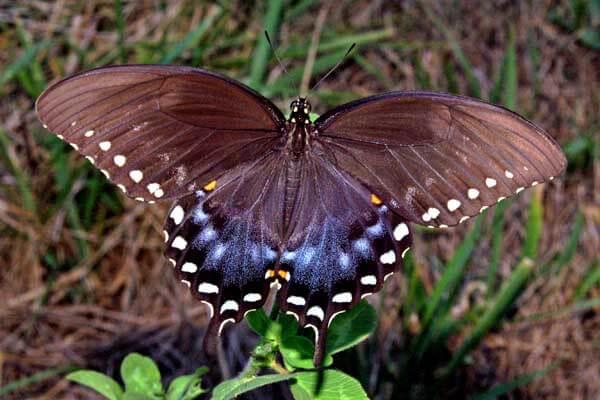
[{"x": 298, "y": 127}]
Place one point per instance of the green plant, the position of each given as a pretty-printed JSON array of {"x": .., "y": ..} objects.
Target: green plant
[
  {"x": 279, "y": 340},
  {"x": 142, "y": 382}
]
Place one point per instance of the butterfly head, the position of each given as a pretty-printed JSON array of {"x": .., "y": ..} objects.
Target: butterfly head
[{"x": 300, "y": 111}]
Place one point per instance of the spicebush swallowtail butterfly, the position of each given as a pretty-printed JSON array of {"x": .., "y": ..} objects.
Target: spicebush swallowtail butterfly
[{"x": 319, "y": 209}]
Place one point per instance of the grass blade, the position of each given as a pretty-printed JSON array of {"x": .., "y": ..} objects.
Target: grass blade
[
  {"x": 518, "y": 382},
  {"x": 35, "y": 378},
  {"x": 20, "y": 176},
  {"x": 120, "y": 22},
  {"x": 448, "y": 282},
  {"x": 474, "y": 86},
  {"x": 492, "y": 316},
  {"x": 22, "y": 62},
  {"x": 192, "y": 38},
  {"x": 262, "y": 52},
  {"x": 533, "y": 229},
  {"x": 590, "y": 280}
]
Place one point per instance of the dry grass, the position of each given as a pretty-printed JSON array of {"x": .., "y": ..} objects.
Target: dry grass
[{"x": 60, "y": 308}]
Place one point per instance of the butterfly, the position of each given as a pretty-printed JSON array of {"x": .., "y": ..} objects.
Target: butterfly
[{"x": 320, "y": 210}]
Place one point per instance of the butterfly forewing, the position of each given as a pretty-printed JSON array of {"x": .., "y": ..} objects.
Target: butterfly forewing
[
  {"x": 158, "y": 131},
  {"x": 439, "y": 159}
]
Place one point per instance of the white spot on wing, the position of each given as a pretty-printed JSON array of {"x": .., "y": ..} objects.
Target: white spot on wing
[
  {"x": 90, "y": 159},
  {"x": 369, "y": 280},
  {"x": 453, "y": 205},
  {"x": 252, "y": 297},
  {"x": 388, "y": 257},
  {"x": 104, "y": 146},
  {"x": 208, "y": 288},
  {"x": 490, "y": 182},
  {"x": 179, "y": 243},
  {"x": 433, "y": 212},
  {"x": 534, "y": 183},
  {"x": 345, "y": 297},
  {"x": 189, "y": 267},
  {"x": 166, "y": 235},
  {"x": 473, "y": 193},
  {"x": 153, "y": 187},
  {"x": 405, "y": 251},
  {"x": 136, "y": 175},
  {"x": 119, "y": 160},
  {"x": 296, "y": 300},
  {"x": 316, "y": 311},
  {"x": 229, "y": 305},
  {"x": 177, "y": 214},
  {"x": 508, "y": 174},
  {"x": 400, "y": 231},
  {"x": 89, "y": 133},
  {"x": 519, "y": 190}
]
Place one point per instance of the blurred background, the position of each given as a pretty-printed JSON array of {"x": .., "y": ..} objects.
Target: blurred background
[{"x": 505, "y": 306}]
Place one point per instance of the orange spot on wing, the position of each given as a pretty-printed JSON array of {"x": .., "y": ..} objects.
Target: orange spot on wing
[
  {"x": 210, "y": 186},
  {"x": 284, "y": 274},
  {"x": 376, "y": 200}
]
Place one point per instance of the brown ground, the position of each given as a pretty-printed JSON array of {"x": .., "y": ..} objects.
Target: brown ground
[{"x": 123, "y": 288}]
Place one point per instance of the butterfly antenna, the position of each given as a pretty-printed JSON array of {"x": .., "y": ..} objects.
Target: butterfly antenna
[
  {"x": 316, "y": 85},
  {"x": 275, "y": 53}
]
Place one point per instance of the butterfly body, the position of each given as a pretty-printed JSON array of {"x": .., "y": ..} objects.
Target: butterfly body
[{"x": 319, "y": 210}]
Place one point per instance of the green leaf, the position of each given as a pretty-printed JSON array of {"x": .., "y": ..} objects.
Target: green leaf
[
  {"x": 101, "y": 383},
  {"x": 258, "y": 321},
  {"x": 141, "y": 375},
  {"x": 234, "y": 387},
  {"x": 298, "y": 351},
  {"x": 327, "y": 385},
  {"x": 187, "y": 387},
  {"x": 351, "y": 327}
]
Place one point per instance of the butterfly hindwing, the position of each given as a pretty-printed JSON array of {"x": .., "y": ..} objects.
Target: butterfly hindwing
[
  {"x": 157, "y": 131},
  {"x": 221, "y": 241},
  {"x": 439, "y": 159},
  {"x": 343, "y": 244}
]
